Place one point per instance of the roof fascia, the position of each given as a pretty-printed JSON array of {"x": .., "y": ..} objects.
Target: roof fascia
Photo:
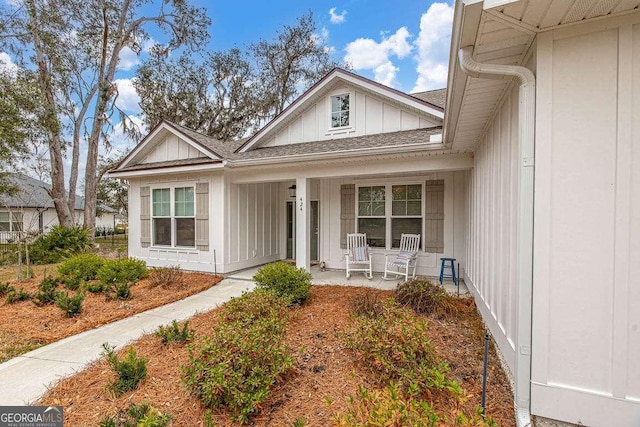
[
  {"x": 163, "y": 125},
  {"x": 354, "y": 79},
  {"x": 167, "y": 170},
  {"x": 466, "y": 23}
]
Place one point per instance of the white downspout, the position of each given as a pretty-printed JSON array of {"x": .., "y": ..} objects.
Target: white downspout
[{"x": 524, "y": 285}]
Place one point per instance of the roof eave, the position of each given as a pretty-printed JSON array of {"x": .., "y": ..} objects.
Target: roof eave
[{"x": 166, "y": 170}]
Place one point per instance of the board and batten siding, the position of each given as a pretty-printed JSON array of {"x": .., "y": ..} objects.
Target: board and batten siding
[
  {"x": 370, "y": 114},
  {"x": 586, "y": 299},
  {"x": 172, "y": 148},
  {"x": 253, "y": 232},
  {"x": 491, "y": 239}
]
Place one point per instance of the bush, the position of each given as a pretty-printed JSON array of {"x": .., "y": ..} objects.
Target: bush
[
  {"x": 245, "y": 356},
  {"x": 81, "y": 267},
  {"x": 387, "y": 407},
  {"x": 94, "y": 287},
  {"x": 394, "y": 347},
  {"x": 72, "y": 306},
  {"x": 6, "y": 288},
  {"x": 166, "y": 276},
  {"x": 122, "y": 291},
  {"x": 47, "y": 292},
  {"x": 367, "y": 304},
  {"x": 126, "y": 270},
  {"x": 17, "y": 296},
  {"x": 285, "y": 281},
  {"x": 130, "y": 370},
  {"x": 58, "y": 244},
  {"x": 424, "y": 297},
  {"x": 173, "y": 333},
  {"x": 142, "y": 415}
]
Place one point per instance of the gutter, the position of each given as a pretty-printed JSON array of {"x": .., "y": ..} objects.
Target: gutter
[{"x": 525, "y": 207}]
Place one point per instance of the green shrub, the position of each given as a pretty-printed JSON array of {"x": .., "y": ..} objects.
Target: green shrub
[
  {"x": 81, "y": 267},
  {"x": 394, "y": 347},
  {"x": 424, "y": 297},
  {"x": 245, "y": 356},
  {"x": 122, "y": 291},
  {"x": 166, "y": 277},
  {"x": 173, "y": 333},
  {"x": 94, "y": 287},
  {"x": 47, "y": 292},
  {"x": 367, "y": 303},
  {"x": 126, "y": 270},
  {"x": 285, "y": 281},
  {"x": 58, "y": 244},
  {"x": 142, "y": 415},
  {"x": 6, "y": 288},
  {"x": 72, "y": 306},
  {"x": 387, "y": 407},
  {"x": 17, "y": 296},
  {"x": 130, "y": 370}
]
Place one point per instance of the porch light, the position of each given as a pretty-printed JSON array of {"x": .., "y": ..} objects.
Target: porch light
[{"x": 292, "y": 191}]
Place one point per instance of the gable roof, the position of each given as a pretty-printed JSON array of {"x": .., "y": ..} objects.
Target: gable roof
[
  {"x": 32, "y": 193},
  {"x": 323, "y": 85},
  {"x": 436, "y": 97}
]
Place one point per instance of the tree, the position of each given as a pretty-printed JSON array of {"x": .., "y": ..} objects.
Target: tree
[
  {"x": 75, "y": 46},
  {"x": 297, "y": 58}
]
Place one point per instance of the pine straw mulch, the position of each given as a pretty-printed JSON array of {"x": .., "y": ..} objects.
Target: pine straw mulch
[
  {"x": 26, "y": 326},
  {"x": 325, "y": 372}
]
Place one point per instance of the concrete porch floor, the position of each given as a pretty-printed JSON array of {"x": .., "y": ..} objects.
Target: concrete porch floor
[{"x": 337, "y": 277}]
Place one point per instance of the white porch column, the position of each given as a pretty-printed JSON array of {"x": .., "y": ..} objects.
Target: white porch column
[{"x": 303, "y": 220}]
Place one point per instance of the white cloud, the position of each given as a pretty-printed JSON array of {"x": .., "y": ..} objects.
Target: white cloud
[
  {"x": 337, "y": 18},
  {"x": 367, "y": 54},
  {"x": 120, "y": 141},
  {"x": 128, "y": 98},
  {"x": 7, "y": 65},
  {"x": 128, "y": 59},
  {"x": 433, "y": 47}
]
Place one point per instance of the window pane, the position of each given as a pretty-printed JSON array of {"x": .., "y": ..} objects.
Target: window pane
[
  {"x": 17, "y": 222},
  {"x": 399, "y": 208},
  {"x": 344, "y": 118},
  {"x": 364, "y": 209},
  {"x": 377, "y": 193},
  {"x": 406, "y": 226},
  {"x": 375, "y": 229},
  {"x": 335, "y": 103},
  {"x": 377, "y": 209},
  {"x": 4, "y": 216},
  {"x": 161, "y": 202},
  {"x": 364, "y": 193},
  {"x": 162, "y": 231},
  {"x": 399, "y": 192},
  {"x": 185, "y": 232},
  {"x": 414, "y": 208},
  {"x": 414, "y": 192},
  {"x": 184, "y": 201},
  {"x": 335, "y": 120},
  {"x": 344, "y": 102}
]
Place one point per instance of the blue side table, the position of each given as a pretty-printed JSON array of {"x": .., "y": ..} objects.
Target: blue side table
[{"x": 450, "y": 267}]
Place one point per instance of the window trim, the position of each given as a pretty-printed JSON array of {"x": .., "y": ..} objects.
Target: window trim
[
  {"x": 389, "y": 208},
  {"x": 172, "y": 215}
]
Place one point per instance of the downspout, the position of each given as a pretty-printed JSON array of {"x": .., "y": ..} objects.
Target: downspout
[{"x": 524, "y": 285}]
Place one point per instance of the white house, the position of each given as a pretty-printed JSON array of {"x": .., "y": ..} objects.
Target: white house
[
  {"x": 530, "y": 180},
  {"x": 30, "y": 208}
]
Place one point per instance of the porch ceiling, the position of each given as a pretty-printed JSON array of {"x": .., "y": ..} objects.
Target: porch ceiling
[{"x": 504, "y": 35}]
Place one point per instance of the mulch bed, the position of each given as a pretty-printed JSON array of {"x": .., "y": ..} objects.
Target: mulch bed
[
  {"x": 324, "y": 375},
  {"x": 27, "y": 325}
]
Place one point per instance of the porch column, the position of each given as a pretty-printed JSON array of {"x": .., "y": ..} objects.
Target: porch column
[{"x": 303, "y": 220}]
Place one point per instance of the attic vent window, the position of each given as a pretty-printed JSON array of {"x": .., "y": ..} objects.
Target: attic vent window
[{"x": 340, "y": 111}]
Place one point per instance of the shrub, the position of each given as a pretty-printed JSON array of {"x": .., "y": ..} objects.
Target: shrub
[
  {"x": 72, "y": 306},
  {"x": 81, "y": 267},
  {"x": 47, "y": 292},
  {"x": 17, "y": 296},
  {"x": 130, "y": 370},
  {"x": 173, "y": 333},
  {"x": 58, "y": 244},
  {"x": 285, "y": 281},
  {"x": 367, "y": 303},
  {"x": 245, "y": 356},
  {"x": 142, "y": 415},
  {"x": 387, "y": 407},
  {"x": 126, "y": 270},
  {"x": 166, "y": 276},
  {"x": 122, "y": 291},
  {"x": 94, "y": 287},
  {"x": 424, "y": 297},
  {"x": 6, "y": 288},
  {"x": 394, "y": 347}
]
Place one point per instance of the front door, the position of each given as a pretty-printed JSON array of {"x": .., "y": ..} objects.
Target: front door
[
  {"x": 291, "y": 230},
  {"x": 314, "y": 230}
]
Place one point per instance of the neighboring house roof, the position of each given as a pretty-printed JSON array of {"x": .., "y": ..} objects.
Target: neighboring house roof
[
  {"x": 436, "y": 97},
  {"x": 32, "y": 193}
]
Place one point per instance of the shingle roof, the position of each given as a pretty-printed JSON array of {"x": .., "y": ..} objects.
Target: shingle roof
[
  {"x": 33, "y": 193},
  {"x": 170, "y": 163},
  {"x": 221, "y": 148},
  {"x": 436, "y": 97}
]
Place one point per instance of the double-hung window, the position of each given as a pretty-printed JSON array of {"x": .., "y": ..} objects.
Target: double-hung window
[
  {"x": 340, "y": 116},
  {"x": 10, "y": 221},
  {"x": 173, "y": 214},
  {"x": 385, "y": 212}
]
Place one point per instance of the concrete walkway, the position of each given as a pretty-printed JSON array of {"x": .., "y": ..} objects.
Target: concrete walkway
[{"x": 24, "y": 379}]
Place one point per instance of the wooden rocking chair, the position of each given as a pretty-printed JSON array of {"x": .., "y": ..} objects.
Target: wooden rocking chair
[
  {"x": 358, "y": 256},
  {"x": 405, "y": 260}
]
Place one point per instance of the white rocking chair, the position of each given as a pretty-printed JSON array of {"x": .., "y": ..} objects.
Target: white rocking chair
[
  {"x": 358, "y": 256},
  {"x": 405, "y": 260}
]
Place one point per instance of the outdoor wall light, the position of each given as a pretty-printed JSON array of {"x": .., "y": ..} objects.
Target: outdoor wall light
[{"x": 292, "y": 191}]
